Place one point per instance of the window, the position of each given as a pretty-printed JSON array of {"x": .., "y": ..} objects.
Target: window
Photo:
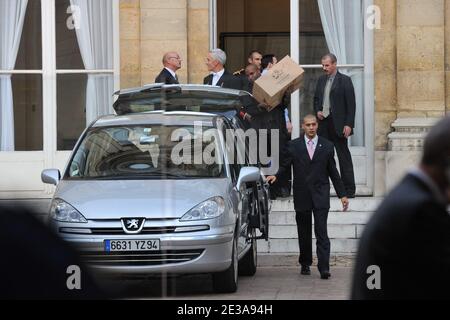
[
  {"x": 324, "y": 26},
  {"x": 21, "y": 127},
  {"x": 84, "y": 62},
  {"x": 336, "y": 27},
  {"x": 243, "y": 26}
]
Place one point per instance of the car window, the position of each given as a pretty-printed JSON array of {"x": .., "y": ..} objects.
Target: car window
[
  {"x": 197, "y": 101},
  {"x": 152, "y": 151}
]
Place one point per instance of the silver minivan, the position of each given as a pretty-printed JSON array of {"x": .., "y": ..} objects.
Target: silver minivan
[{"x": 145, "y": 193}]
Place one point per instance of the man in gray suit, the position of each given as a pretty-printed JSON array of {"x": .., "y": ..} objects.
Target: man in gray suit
[
  {"x": 334, "y": 104},
  {"x": 219, "y": 76}
]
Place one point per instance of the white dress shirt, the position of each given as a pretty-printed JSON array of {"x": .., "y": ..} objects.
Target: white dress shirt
[
  {"x": 315, "y": 141},
  {"x": 217, "y": 76}
]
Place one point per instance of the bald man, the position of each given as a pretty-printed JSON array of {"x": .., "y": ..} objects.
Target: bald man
[{"x": 172, "y": 63}]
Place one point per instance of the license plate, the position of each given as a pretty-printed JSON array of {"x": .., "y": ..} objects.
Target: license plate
[{"x": 131, "y": 245}]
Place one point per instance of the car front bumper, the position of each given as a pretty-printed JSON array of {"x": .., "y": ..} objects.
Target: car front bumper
[{"x": 184, "y": 253}]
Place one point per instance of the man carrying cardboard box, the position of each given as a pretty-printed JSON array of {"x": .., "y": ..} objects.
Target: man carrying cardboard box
[
  {"x": 275, "y": 119},
  {"x": 286, "y": 75}
]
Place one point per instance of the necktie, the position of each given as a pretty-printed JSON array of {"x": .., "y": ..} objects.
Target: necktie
[
  {"x": 311, "y": 149},
  {"x": 326, "y": 98}
]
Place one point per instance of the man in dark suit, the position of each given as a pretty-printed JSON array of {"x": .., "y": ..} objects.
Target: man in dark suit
[
  {"x": 334, "y": 104},
  {"x": 215, "y": 61},
  {"x": 404, "y": 252},
  {"x": 172, "y": 63},
  {"x": 35, "y": 261},
  {"x": 312, "y": 158}
]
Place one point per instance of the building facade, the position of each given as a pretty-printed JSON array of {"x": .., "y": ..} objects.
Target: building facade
[{"x": 60, "y": 61}]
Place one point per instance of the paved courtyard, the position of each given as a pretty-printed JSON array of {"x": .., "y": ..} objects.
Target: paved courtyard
[{"x": 269, "y": 283}]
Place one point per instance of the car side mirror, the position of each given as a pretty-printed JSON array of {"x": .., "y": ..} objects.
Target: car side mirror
[
  {"x": 51, "y": 176},
  {"x": 248, "y": 174}
]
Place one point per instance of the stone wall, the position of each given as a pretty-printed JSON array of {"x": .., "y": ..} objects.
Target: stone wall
[
  {"x": 411, "y": 80},
  {"x": 149, "y": 28},
  {"x": 163, "y": 28},
  {"x": 385, "y": 73},
  {"x": 130, "y": 43},
  {"x": 420, "y": 58},
  {"x": 447, "y": 52},
  {"x": 198, "y": 39}
]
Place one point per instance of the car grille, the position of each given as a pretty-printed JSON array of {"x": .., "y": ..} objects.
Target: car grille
[
  {"x": 147, "y": 230},
  {"x": 140, "y": 258}
]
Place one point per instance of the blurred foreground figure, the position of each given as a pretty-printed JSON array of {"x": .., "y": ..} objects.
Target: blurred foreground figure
[
  {"x": 404, "y": 252},
  {"x": 36, "y": 264}
]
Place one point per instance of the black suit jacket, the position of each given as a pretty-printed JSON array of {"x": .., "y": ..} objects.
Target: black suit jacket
[
  {"x": 166, "y": 77},
  {"x": 311, "y": 177},
  {"x": 35, "y": 261},
  {"x": 342, "y": 99},
  {"x": 408, "y": 238},
  {"x": 226, "y": 81}
]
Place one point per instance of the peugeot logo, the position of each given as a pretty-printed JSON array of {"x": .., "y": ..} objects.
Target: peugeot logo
[{"x": 133, "y": 225}]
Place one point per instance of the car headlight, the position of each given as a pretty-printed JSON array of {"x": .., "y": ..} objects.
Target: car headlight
[
  {"x": 209, "y": 209},
  {"x": 64, "y": 212}
]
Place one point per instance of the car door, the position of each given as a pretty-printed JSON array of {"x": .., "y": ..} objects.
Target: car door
[
  {"x": 258, "y": 198},
  {"x": 239, "y": 197}
]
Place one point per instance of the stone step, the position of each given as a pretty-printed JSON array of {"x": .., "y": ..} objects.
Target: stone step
[
  {"x": 290, "y": 246},
  {"x": 334, "y": 231},
  {"x": 358, "y": 204},
  {"x": 336, "y": 218},
  {"x": 344, "y": 228}
]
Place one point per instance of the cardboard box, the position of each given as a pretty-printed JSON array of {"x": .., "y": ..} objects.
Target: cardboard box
[{"x": 270, "y": 88}]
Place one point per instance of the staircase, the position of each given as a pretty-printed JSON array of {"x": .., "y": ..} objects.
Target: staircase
[{"x": 344, "y": 228}]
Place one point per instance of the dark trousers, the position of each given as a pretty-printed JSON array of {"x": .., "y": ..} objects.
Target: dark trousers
[
  {"x": 328, "y": 131},
  {"x": 304, "y": 229}
]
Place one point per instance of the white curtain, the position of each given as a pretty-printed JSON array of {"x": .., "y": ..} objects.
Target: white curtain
[
  {"x": 94, "y": 28},
  {"x": 343, "y": 24},
  {"x": 12, "y": 15}
]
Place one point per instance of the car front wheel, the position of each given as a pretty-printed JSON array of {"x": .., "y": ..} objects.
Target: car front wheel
[{"x": 227, "y": 281}]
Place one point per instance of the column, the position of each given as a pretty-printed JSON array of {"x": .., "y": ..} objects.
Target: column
[
  {"x": 130, "y": 44},
  {"x": 447, "y": 50},
  {"x": 421, "y": 91},
  {"x": 198, "y": 39},
  {"x": 163, "y": 28}
]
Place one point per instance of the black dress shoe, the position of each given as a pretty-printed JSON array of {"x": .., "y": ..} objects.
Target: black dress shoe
[
  {"x": 305, "y": 271},
  {"x": 325, "y": 275}
]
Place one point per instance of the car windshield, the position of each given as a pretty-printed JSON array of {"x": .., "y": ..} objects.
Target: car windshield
[{"x": 148, "y": 152}]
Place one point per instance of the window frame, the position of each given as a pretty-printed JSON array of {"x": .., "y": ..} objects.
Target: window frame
[
  {"x": 49, "y": 72},
  {"x": 368, "y": 151}
]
